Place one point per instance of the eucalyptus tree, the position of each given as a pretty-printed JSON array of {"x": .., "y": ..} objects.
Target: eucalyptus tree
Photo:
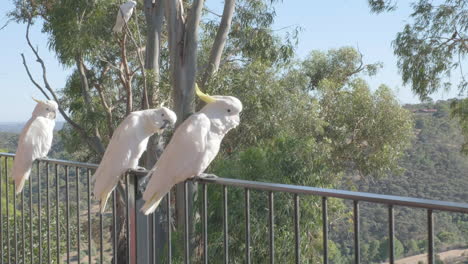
[
  {"x": 432, "y": 48},
  {"x": 313, "y": 135},
  {"x": 288, "y": 104},
  {"x": 114, "y": 74}
]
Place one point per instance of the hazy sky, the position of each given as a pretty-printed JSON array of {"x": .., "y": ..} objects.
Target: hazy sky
[{"x": 325, "y": 24}]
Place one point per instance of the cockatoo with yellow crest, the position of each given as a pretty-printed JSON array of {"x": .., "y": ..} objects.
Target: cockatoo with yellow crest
[
  {"x": 193, "y": 146},
  {"x": 35, "y": 141},
  {"x": 126, "y": 147}
]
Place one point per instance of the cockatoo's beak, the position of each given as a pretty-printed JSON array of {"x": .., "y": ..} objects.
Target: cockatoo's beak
[
  {"x": 204, "y": 97},
  {"x": 166, "y": 123},
  {"x": 54, "y": 114},
  {"x": 37, "y": 101}
]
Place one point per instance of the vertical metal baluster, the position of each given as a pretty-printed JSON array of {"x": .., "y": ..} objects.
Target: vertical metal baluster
[
  {"x": 101, "y": 244},
  {"x": 325, "y": 229},
  {"x": 22, "y": 228},
  {"x": 152, "y": 223},
  {"x": 391, "y": 234},
  {"x": 225, "y": 224},
  {"x": 57, "y": 212},
  {"x": 88, "y": 175},
  {"x": 169, "y": 230},
  {"x": 1, "y": 212},
  {"x": 31, "y": 252},
  {"x": 14, "y": 224},
  {"x": 67, "y": 200},
  {"x": 357, "y": 259},
  {"x": 186, "y": 226},
  {"x": 48, "y": 213},
  {"x": 114, "y": 225},
  {"x": 247, "y": 225},
  {"x": 153, "y": 237},
  {"x": 430, "y": 229},
  {"x": 205, "y": 223},
  {"x": 297, "y": 234},
  {"x": 78, "y": 241},
  {"x": 271, "y": 224},
  {"x": 7, "y": 211},
  {"x": 127, "y": 195},
  {"x": 39, "y": 209}
]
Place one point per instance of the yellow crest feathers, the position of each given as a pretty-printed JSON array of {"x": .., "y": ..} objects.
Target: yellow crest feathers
[{"x": 204, "y": 97}]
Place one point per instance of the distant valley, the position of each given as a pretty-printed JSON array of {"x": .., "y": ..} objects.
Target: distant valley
[{"x": 16, "y": 127}]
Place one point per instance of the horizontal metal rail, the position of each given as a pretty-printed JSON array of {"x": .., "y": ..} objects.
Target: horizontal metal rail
[
  {"x": 61, "y": 243},
  {"x": 348, "y": 195},
  {"x": 59, "y": 162}
]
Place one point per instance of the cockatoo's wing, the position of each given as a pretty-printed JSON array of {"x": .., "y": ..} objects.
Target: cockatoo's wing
[
  {"x": 126, "y": 10},
  {"x": 34, "y": 142},
  {"x": 116, "y": 159},
  {"x": 182, "y": 159}
]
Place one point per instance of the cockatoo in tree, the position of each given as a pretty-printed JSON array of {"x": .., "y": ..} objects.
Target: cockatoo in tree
[
  {"x": 125, "y": 12},
  {"x": 35, "y": 141},
  {"x": 193, "y": 146},
  {"x": 126, "y": 147}
]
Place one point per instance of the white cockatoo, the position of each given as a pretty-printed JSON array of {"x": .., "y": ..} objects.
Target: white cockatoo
[
  {"x": 193, "y": 146},
  {"x": 126, "y": 147},
  {"x": 125, "y": 12},
  {"x": 35, "y": 141}
]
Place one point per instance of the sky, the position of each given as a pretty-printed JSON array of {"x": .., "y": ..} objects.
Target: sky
[{"x": 325, "y": 25}]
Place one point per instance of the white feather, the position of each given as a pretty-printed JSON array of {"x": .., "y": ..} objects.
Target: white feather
[
  {"x": 125, "y": 9},
  {"x": 192, "y": 148},
  {"x": 126, "y": 147},
  {"x": 34, "y": 142}
]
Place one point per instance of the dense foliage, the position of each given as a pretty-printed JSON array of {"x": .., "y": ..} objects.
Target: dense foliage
[
  {"x": 431, "y": 50},
  {"x": 312, "y": 122},
  {"x": 434, "y": 169}
]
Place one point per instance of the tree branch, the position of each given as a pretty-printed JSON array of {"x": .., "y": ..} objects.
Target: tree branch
[
  {"x": 220, "y": 40},
  {"x": 191, "y": 46},
  {"x": 32, "y": 79},
  {"x": 126, "y": 76},
  {"x": 94, "y": 142}
]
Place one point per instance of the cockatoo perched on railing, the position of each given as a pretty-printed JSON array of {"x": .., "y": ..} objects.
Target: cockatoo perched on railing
[
  {"x": 125, "y": 12},
  {"x": 193, "y": 146},
  {"x": 35, "y": 141},
  {"x": 126, "y": 147}
]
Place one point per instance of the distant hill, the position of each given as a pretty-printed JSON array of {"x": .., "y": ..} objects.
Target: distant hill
[
  {"x": 434, "y": 168},
  {"x": 16, "y": 127}
]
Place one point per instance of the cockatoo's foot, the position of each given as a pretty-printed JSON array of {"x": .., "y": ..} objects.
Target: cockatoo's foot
[
  {"x": 207, "y": 176},
  {"x": 142, "y": 183}
]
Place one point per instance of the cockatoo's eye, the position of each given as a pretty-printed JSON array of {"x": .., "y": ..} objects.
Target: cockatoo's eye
[
  {"x": 47, "y": 109},
  {"x": 162, "y": 114},
  {"x": 229, "y": 110}
]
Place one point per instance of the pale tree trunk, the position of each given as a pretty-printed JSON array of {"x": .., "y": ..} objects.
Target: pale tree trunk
[
  {"x": 154, "y": 13},
  {"x": 183, "y": 42}
]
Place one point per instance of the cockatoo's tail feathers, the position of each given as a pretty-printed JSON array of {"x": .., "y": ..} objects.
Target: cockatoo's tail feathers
[
  {"x": 19, "y": 184},
  {"x": 151, "y": 205},
  {"x": 204, "y": 97},
  {"x": 104, "y": 198},
  {"x": 117, "y": 29}
]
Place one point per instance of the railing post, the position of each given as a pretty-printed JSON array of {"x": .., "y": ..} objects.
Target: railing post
[
  {"x": 140, "y": 225},
  {"x": 132, "y": 224}
]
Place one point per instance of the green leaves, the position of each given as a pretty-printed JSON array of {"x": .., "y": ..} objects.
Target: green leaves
[
  {"x": 79, "y": 28},
  {"x": 337, "y": 66},
  {"x": 432, "y": 46}
]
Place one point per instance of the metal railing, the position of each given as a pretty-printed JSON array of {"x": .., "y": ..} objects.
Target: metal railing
[{"x": 36, "y": 241}]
